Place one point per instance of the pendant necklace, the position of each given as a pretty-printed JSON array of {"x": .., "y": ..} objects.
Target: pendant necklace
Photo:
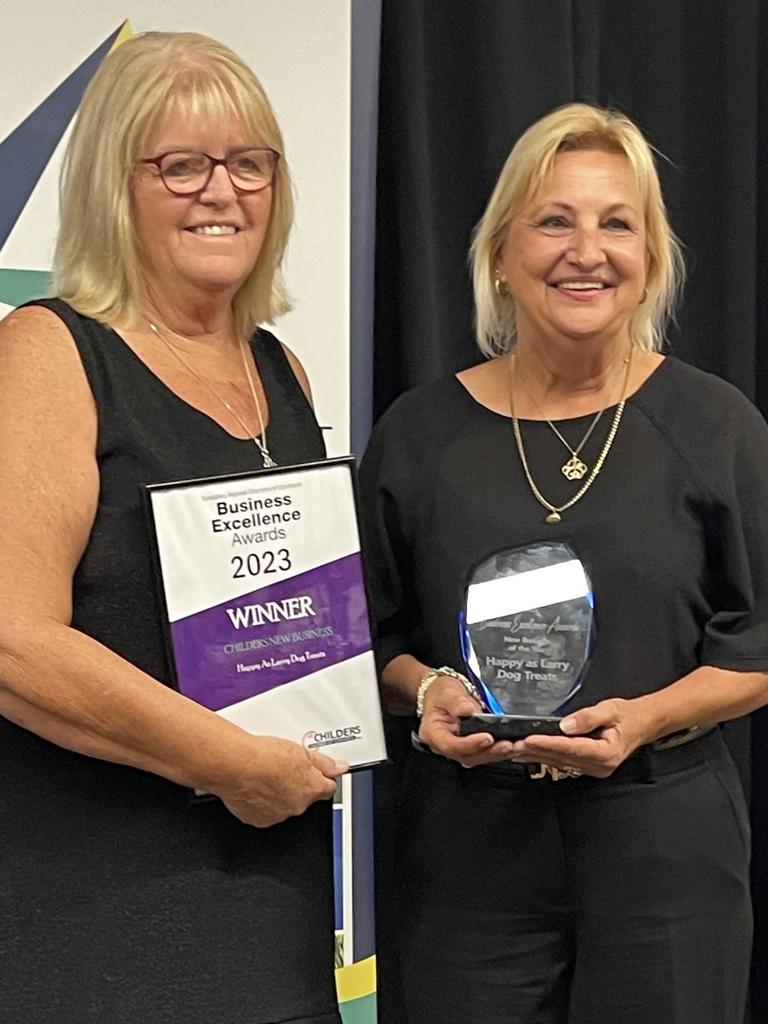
[
  {"x": 555, "y": 511},
  {"x": 575, "y": 468},
  {"x": 260, "y": 439}
]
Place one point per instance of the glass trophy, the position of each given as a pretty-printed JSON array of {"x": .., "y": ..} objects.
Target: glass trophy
[{"x": 527, "y": 632}]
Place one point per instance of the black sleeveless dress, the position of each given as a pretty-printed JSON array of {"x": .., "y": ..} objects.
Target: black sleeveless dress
[{"x": 120, "y": 901}]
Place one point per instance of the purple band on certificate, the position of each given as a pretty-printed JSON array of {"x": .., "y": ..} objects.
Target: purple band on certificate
[{"x": 273, "y": 635}]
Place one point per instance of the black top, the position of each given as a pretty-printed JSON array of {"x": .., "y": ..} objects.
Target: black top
[
  {"x": 673, "y": 531},
  {"x": 120, "y": 900}
]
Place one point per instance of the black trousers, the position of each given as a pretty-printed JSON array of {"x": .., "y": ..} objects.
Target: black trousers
[{"x": 583, "y": 901}]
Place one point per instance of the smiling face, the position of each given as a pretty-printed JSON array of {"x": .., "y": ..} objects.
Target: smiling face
[
  {"x": 575, "y": 257},
  {"x": 205, "y": 242}
]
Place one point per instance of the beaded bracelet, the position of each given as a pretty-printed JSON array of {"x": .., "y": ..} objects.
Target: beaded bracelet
[{"x": 429, "y": 677}]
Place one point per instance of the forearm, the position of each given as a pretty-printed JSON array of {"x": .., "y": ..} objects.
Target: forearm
[
  {"x": 705, "y": 696},
  {"x": 597, "y": 739},
  {"x": 71, "y": 690},
  {"x": 400, "y": 683}
]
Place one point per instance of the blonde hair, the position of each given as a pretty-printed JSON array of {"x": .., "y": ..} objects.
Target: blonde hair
[
  {"x": 97, "y": 265},
  {"x": 577, "y": 126}
]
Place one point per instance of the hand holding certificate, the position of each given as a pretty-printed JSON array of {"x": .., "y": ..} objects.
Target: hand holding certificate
[
  {"x": 288, "y": 779},
  {"x": 267, "y": 616}
]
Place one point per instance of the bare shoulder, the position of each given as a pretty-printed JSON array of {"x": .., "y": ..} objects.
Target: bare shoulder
[
  {"x": 299, "y": 372},
  {"x": 48, "y": 431},
  {"x": 32, "y": 321},
  {"x": 39, "y": 363},
  {"x": 35, "y": 336}
]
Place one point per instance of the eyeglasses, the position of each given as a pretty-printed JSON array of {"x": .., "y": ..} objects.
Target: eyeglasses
[{"x": 183, "y": 174}]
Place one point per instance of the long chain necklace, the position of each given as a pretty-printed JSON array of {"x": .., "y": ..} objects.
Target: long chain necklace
[
  {"x": 556, "y": 511},
  {"x": 260, "y": 440}
]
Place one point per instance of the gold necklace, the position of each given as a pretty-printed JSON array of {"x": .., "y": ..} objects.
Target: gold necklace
[
  {"x": 555, "y": 511},
  {"x": 260, "y": 441},
  {"x": 575, "y": 468}
]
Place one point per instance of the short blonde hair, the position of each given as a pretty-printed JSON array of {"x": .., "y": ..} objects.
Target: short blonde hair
[
  {"x": 97, "y": 266},
  {"x": 577, "y": 126}
]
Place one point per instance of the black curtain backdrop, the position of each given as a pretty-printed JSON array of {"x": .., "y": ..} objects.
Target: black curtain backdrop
[{"x": 459, "y": 81}]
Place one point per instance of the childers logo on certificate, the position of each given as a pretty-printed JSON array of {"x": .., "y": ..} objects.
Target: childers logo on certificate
[{"x": 267, "y": 617}]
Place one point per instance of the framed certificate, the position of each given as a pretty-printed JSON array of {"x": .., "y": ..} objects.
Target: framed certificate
[{"x": 267, "y": 620}]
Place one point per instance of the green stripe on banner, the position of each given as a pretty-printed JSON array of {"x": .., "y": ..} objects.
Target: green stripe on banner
[
  {"x": 359, "y": 1011},
  {"x": 19, "y": 286}
]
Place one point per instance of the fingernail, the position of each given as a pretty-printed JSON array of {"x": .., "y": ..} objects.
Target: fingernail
[
  {"x": 568, "y": 725},
  {"x": 488, "y": 742}
]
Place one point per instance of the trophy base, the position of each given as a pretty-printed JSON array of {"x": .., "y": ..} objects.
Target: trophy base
[{"x": 510, "y": 727}]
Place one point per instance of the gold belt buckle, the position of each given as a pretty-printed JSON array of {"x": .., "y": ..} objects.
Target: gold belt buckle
[{"x": 541, "y": 771}]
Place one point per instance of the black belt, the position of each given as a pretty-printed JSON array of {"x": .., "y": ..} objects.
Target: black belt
[{"x": 652, "y": 759}]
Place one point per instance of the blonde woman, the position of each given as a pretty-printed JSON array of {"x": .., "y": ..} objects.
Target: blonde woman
[
  {"x": 599, "y": 874},
  {"x": 120, "y": 899}
]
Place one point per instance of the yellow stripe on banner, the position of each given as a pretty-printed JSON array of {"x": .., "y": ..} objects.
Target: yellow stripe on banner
[
  {"x": 125, "y": 33},
  {"x": 356, "y": 980}
]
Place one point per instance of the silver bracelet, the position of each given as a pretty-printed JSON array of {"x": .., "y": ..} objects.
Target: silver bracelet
[{"x": 429, "y": 677}]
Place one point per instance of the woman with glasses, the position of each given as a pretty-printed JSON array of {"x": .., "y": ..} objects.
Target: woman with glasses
[{"x": 122, "y": 900}]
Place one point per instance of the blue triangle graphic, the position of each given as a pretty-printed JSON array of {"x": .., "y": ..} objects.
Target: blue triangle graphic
[{"x": 25, "y": 153}]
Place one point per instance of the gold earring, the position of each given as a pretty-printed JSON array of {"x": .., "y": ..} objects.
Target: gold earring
[{"x": 501, "y": 286}]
